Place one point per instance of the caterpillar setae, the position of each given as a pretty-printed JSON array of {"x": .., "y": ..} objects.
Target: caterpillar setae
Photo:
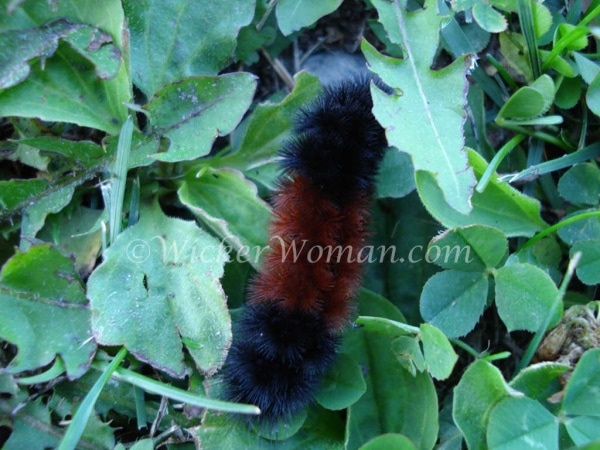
[{"x": 301, "y": 300}]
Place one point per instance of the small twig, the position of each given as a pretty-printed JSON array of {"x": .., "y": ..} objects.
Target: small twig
[{"x": 280, "y": 69}]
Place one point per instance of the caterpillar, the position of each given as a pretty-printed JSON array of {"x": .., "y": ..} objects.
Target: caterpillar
[{"x": 300, "y": 302}]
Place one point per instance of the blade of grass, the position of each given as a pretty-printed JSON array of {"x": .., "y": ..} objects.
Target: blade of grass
[
  {"x": 497, "y": 160},
  {"x": 585, "y": 154},
  {"x": 527, "y": 28},
  {"x": 119, "y": 179},
  {"x": 156, "y": 387},
  {"x": 81, "y": 417},
  {"x": 558, "y": 226},
  {"x": 140, "y": 407}
]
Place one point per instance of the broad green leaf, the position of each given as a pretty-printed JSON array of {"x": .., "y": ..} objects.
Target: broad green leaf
[
  {"x": 540, "y": 381},
  {"x": 46, "y": 316},
  {"x": 588, "y": 269},
  {"x": 569, "y": 90},
  {"x": 292, "y": 15},
  {"x": 582, "y": 394},
  {"x": 269, "y": 127},
  {"x": 21, "y": 46},
  {"x": 588, "y": 69},
  {"x": 395, "y": 401},
  {"x": 453, "y": 301},
  {"x": 439, "y": 354},
  {"x": 228, "y": 204},
  {"x": 488, "y": 18},
  {"x": 67, "y": 88},
  {"x": 580, "y": 185},
  {"x": 395, "y": 177},
  {"x": 593, "y": 96},
  {"x": 16, "y": 194},
  {"x": 522, "y": 423},
  {"x": 343, "y": 384},
  {"x": 480, "y": 389},
  {"x": 157, "y": 291},
  {"x": 499, "y": 205},
  {"x": 524, "y": 297},
  {"x": 542, "y": 19},
  {"x": 583, "y": 430},
  {"x": 193, "y": 112},
  {"x": 69, "y": 155},
  {"x": 581, "y": 230},
  {"x": 31, "y": 426},
  {"x": 472, "y": 248},
  {"x": 426, "y": 119},
  {"x": 35, "y": 215},
  {"x": 177, "y": 39},
  {"x": 389, "y": 441},
  {"x": 529, "y": 101}
]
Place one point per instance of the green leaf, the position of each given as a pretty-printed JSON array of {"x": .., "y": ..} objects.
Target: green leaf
[
  {"x": 582, "y": 394},
  {"x": 540, "y": 381},
  {"x": 593, "y": 96},
  {"x": 525, "y": 295},
  {"x": 228, "y": 204},
  {"x": 31, "y": 426},
  {"x": 581, "y": 184},
  {"x": 395, "y": 178},
  {"x": 43, "y": 41},
  {"x": 584, "y": 430},
  {"x": 177, "y": 39},
  {"x": 479, "y": 390},
  {"x": 439, "y": 354},
  {"x": 292, "y": 15},
  {"x": 46, "y": 316},
  {"x": 431, "y": 103},
  {"x": 472, "y": 248},
  {"x": 193, "y": 112},
  {"x": 35, "y": 215},
  {"x": 568, "y": 93},
  {"x": 522, "y": 423},
  {"x": 499, "y": 205},
  {"x": 157, "y": 290},
  {"x": 15, "y": 194},
  {"x": 453, "y": 301},
  {"x": 395, "y": 401},
  {"x": 588, "y": 270},
  {"x": 67, "y": 88},
  {"x": 588, "y": 69},
  {"x": 389, "y": 441},
  {"x": 582, "y": 230},
  {"x": 269, "y": 126},
  {"x": 488, "y": 18},
  {"x": 529, "y": 101},
  {"x": 542, "y": 19},
  {"x": 343, "y": 385}
]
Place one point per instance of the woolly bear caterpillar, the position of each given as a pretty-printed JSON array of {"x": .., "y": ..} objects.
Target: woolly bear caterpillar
[{"x": 299, "y": 303}]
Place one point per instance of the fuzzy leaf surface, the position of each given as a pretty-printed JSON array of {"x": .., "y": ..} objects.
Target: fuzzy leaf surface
[
  {"x": 426, "y": 120},
  {"x": 46, "y": 316},
  {"x": 177, "y": 39},
  {"x": 158, "y": 290}
]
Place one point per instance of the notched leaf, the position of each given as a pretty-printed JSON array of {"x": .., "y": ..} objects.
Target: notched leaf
[{"x": 20, "y": 47}]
